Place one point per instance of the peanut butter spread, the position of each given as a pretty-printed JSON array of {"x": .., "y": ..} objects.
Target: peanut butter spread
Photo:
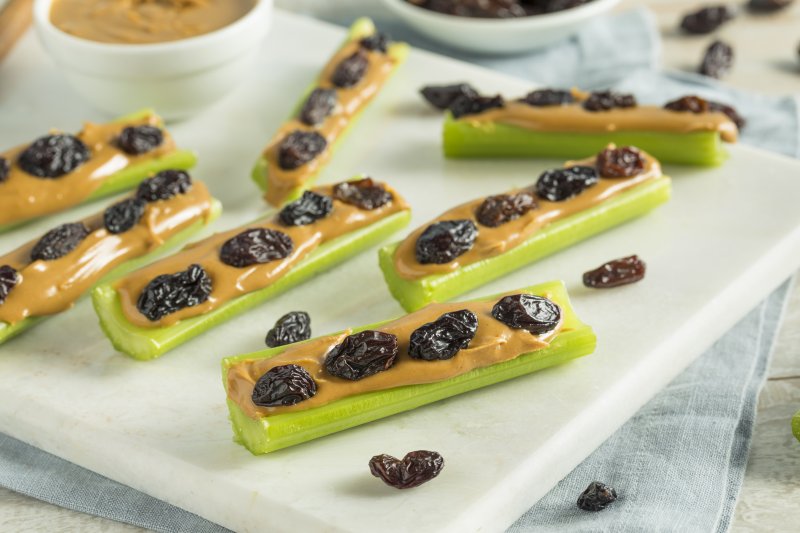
[
  {"x": 145, "y": 21},
  {"x": 49, "y": 287},
  {"x": 494, "y": 241},
  {"x": 229, "y": 282},
  {"x": 23, "y": 196}
]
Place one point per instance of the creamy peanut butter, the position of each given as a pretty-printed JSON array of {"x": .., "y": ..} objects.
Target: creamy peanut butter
[
  {"x": 494, "y": 241},
  {"x": 145, "y": 21},
  {"x": 229, "y": 282},
  {"x": 23, "y": 196},
  {"x": 49, "y": 287}
]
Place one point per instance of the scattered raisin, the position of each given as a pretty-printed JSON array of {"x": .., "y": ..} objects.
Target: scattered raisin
[
  {"x": 59, "y": 241},
  {"x": 292, "y": 327},
  {"x": 363, "y": 193},
  {"x": 560, "y": 184},
  {"x": 615, "y": 273},
  {"x": 443, "y": 96},
  {"x": 529, "y": 312},
  {"x": 255, "y": 246},
  {"x": 596, "y": 497},
  {"x": 8, "y": 280},
  {"x": 361, "y": 355},
  {"x": 169, "y": 293},
  {"x": 135, "y": 140},
  {"x": 620, "y": 162},
  {"x": 300, "y": 147},
  {"x": 306, "y": 210},
  {"x": 164, "y": 185},
  {"x": 606, "y": 100},
  {"x": 318, "y": 106},
  {"x": 707, "y": 19},
  {"x": 443, "y": 241},
  {"x": 350, "y": 70},
  {"x": 444, "y": 337},
  {"x": 730, "y": 111},
  {"x": 413, "y": 470},
  {"x": 284, "y": 385},
  {"x": 123, "y": 215},
  {"x": 717, "y": 60},
  {"x": 548, "y": 97},
  {"x": 5, "y": 169},
  {"x": 52, "y": 156},
  {"x": 472, "y": 105},
  {"x": 377, "y": 42},
  {"x": 689, "y": 104},
  {"x": 497, "y": 210},
  {"x": 766, "y": 6}
]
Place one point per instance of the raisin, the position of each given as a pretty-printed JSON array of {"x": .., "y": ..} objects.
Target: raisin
[
  {"x": 689, "y": 104},
  {"x": 620, "y": 162},
  {"x": 292, "y": 327},
  {"x": 443, "y": 96},
  {"x": 443, "y": 241},
  {"x": 363, "y": 193},
  {"x": 164, "y": 185},
  {"x": 707, "y": 20},
  {"x": 284, "y": 385},
  {"x": 123, "y": 215},
  {"x": 52, "y": 156},
  {"x": 596, "y": 497},
  {"x": 444, "y": 337},
  {"x": 135, "y": 140},
  {"x": 472, "y": 105},
  {"x": 562, "y": 184},
  {"x": 413, "y": 470},
  {"x": 8, "y": 280},
  {"x": 350, "y": 70},
  {"x": 553, "y": 6},
  {"x": 606, "y": 100},
  {"x": 361, "y": 355},
  {"x": 59, "y": 241},
  {"x": 766, "y": 6},
  {"x": 172, "y": 292},
  {"x": 318, "y": 106},
  {"x": 615, "y": 273},
  {"x": 300, "y": 147},
  {"x": 730, "y": 111},
  {"x": 529, "y": 312},
  {"x": 5, "y": 169},
  {"x": 377, "y": 42},
  {"x": 548, "y": 97},
  {"x": 717, "y": 60},
  {"x": 502, "y": 208},
  {"x": 256, "y": 246},
  {"x": 306, "y": 210}
]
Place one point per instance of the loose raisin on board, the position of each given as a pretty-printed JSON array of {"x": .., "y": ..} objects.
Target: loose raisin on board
[
  {"x": 622, "y": 162},
  {"x": 284, "y": 385},
  {"x": 8, "y": 280},
  {"x": 136, "y": 140},
  {"x": 767, "y": 6},
  {"x": 472, "y": 105},
  {"x": 363, "y": 193},
  {"x": 561, "y": 184},
  {"x": 607, "y": 100},
  {"x": 443, "y": 96},
  {"x": 444, "y": 337},
  {"x": 5, "y": 169},
  {"x": 499, "y": 209},
  {"x": 350, "y": 70},
  {"x": 707, "y": 19},
  {"x": 294, "y": 326},
  {"x": 123, "y": 215},
  {"x": 413, "y": 470},
  {"x": 377, "y": 42},
  {"x": 596, "y": 497},
  {"x": 169, "y": 293},
  {"x": 548, "y": 97},
  {"x": 443, "y": 241},
  {"x": 361, "y": 355},
  {"x": 615, "y": 273},
  {"x": 300, "y": 147},
  {"x": 717, "y": 60},
  {"x": 306, "y": 210},
  {"x": 688, "y": 104},
  {"x": 529, "y": 312},
  {"x": 255, "y": 246},
  {"x": 59, "y": 241},
  {"x": 52, "y": 156},
  {"x": 318, "y": 106},
  {"x": 164, "y": 185}
]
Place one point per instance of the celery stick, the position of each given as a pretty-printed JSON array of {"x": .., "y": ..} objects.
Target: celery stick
[{"x": 796, "y": 425}]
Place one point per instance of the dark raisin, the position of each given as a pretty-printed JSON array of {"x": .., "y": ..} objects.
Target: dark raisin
[
  {"x": 730, "y": 111},
  {"x": 443, "y": 241},
  {"x": 615, "y": 273},
  {"x": 606, "y": 100},
  {"x": 596, "y": 497},
  {"x": 767, "y": 6},
  {"x": 135, "y": 140},
  {"x": 377, "y": 42},
  {"x": 444, "y": 337},
  {"x": 548, "y": 97},
  {"x": 8, "y": 280},
  {"x": 620, "y": 162},
  {"x": 707, "y": 19},
  {"x": 529, "y": 312},
  {"x": 284, "y": 385},
  {"x": 172, "y": 292},
  {"x": 256, "y": 246},
  {"x": 363, "y": 193},
  {"x": 306, "y": 210},
  {"x": 5, "y": 169},
  {"x": 717, "y": 60},
  {"x": 443, "y": 96},
  {"x": 502, "y": 208},
  {"x": 164, "y": 185},
  {"x": 300, "y": 147},
  {"x": 350, "y": 70},
  {"x": 413, "y": 470},
  {"x": 123, "y": 215},
  {"x": 472, "y": 105},
  {"x": 52, "y": 156},
  {"x": 553, "y": 6},
  {"x": 59, "y": 241},
  {"x": 361, "y": 355},
  {"x": 292, "y": 327},
  {"x": 318, "y": 106},
  {"x": 561, "y": 184},
  {"x": 688, "y": 104}
]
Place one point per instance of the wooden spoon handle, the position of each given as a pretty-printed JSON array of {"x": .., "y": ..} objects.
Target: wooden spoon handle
[{"x": 15, "y": 18}]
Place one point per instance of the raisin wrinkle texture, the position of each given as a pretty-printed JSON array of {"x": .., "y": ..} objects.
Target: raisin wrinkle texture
[
  {"x": 473, "y": 105},
  {"x": 306, "y": 210},
  {"x": 444, "y": 241},
  {"x": 164, "y": 185},
  {"x": 294, "y": 326},
  {"x": 596, "y": 497},
  {"x": 350, "y": 70},
  {"x": 318, "y": 106},
  {"x": 444, "y": 337},
  {"x": 548, "y": 98},
  {"x": 5, "y": 169},
  {"x": 137, "y": 140},
  {"x": 256, "y": 246},
  {"x": 688, "y": 104},
  {"x": 377, "y": 42},
  {"x": 52, "y": 156},
  {"x": 284, "y": 385},
  {"x": 475, "y": 8},
  {"x": 169, "y": 293},
  {"x": 8, "y": 280},
  {"x": 363, "y": 193},
  {"x": 499, "y": 209},
  {"x": 535, "y": 314},
  {"x": 443, "y": 96},
  {"x": 618, "y": 272},
  {"x": 362, "y": 355},
  {"x": 608, "y": 100},
  {"x": 300, "y": 147},
  {"x": 707, "y": 19},
  {"x": 411, "y": 471},
  {"x": 717, "y": 60},
  {"x": 768, "y": 6},
  {"x": 622, "y": 162},
  {"x": 561, "y": 184},
  {"x": 123, "y": 215},
  {"x": 59, "y": 241}
]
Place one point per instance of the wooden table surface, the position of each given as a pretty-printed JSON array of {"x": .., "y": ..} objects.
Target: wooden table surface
[{"x": 766, "y": 61}]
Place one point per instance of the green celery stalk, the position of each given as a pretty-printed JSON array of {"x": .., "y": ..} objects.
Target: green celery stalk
[
  {"x": 796, "y": 425},
  {"x": 415, "y": 294}
]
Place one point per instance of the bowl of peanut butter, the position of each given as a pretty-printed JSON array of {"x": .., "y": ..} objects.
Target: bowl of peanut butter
[{"x": 177, "y": 56}]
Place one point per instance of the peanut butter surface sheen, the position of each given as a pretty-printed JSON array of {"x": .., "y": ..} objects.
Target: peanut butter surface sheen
[
  {"x": 229, "y": 282},
  {"x": 23, "y": 196},
  {"x": 145, "y": 21},
  {"x": 49, "y": 287}
]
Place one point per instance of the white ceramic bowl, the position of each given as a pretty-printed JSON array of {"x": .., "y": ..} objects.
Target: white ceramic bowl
[
  {"x": 176, "y": 78},
  {"x": 499, "y": 36}
]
